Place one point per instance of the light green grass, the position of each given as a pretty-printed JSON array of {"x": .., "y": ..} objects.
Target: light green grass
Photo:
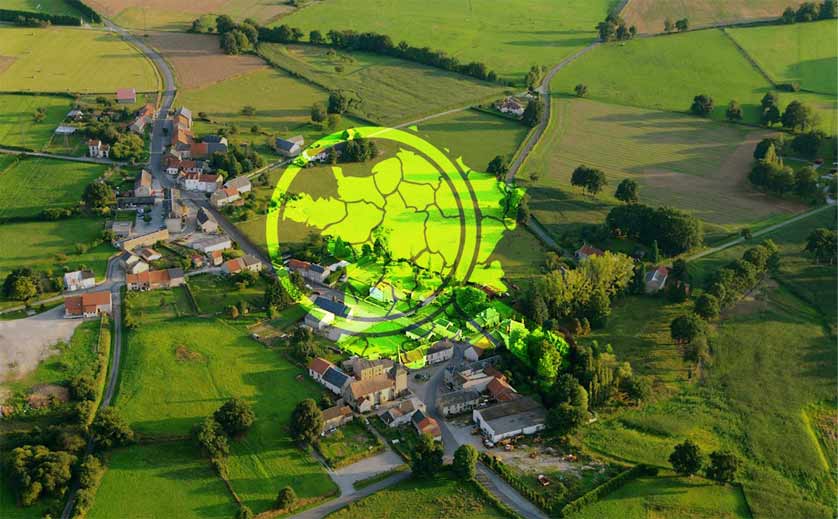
[
  {"x": 214, "y": 294},
  {"x": 669, "y": 496},
  {"x": 29, "y": 186},
  {"x": 441, "y": 496},
  {"x": 803, "y": 52},
  {"x": 665, "y": 73},
  {"x": 508, "y": 36},
  {"x": 178, "y": 14},
  {"x": 161, "y": 480},
  {"x": 72, "y": 60},
  {"x": 42, "y": 6},
  {"x": 348, "y": 444},
  {"x": 161, "y": 395},
  {"x": 18, "y": 126},
  {"x": 390, "y": 90}
]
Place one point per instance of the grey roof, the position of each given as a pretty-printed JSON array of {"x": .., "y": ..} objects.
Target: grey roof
[
  {"x": 238, "y": 182},
  {"x": 175, "y": 273},
  {"x": 214, "y": 138},
  {"x": 418, "y": 416},
  {"x": 514, "y": 415},
  {"x": 335, "y": 307},
  {"x": 216, "y": 147},
  {"x": 440, "y": 346},
  {"x": 335, "y": 377},
  {"x": 457, "y": 397},
  {"x": 249, "y": 259},
  {"x": 205, "y": 216},
  {"x": 87, "y": 274},
  {"x": 317, "y": 268},
  {"x": 285, "y": 144},
  {"x": 184, "y": 111}
]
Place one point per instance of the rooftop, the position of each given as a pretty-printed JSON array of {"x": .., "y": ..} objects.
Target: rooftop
[{"x": 513, "y": 415}]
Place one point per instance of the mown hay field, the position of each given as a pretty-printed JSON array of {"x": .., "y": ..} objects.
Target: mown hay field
[
  {"x": 649, "y": 15},
  {"x": 42, "y": 6},
  {"x": 18, "y": 126},
  {"x": 177, "y": 15}
]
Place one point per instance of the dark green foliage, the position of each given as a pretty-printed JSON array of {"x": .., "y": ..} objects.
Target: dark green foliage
[
  {"x": 306, "y": 422},
  {"x": 21, "y": 284},
  {"x": 35, "y": 471},
  {"x": 591, "y": 180},
  {"x": 212, "y": 438},
  {"x": 797, "y": 116},
  {"x": 702, "y": 105},
  {"x": 685, "y": 328},
  {"x": 285, "y": 499},
  {"x": 110, "y": 430},
  {"x": 244, "y": 512},
  {"x": 277, "y": 296},
  {"x": 533, "y": 112},
  {"x": 497, "y": 166},
  {"x": 427, "y": 457},
  {"x": 359, "y": 150},
  {"x": 465, "y": 461},
  {"x": 807, "y": 144},
  {"x": 674, "y": 230},
  {"x": 628, "y": 191},
  {"x": 614, "y": 29},
  {"x": 339, "y": 102},
  {"x": 822, "y": 243},
  {"x": 98, "y": 194},
  {"x": 581, "y": 90},
  {"x": 128, "y": 147},
  {"x": 11, "y": 15},
  {"x": 723, "y": 467},
  {"x": 707, "y": 306},
  {"x": 471, "y": 300},
  {"x": 83, "y": 387},
  {"x": 686, "y": 458},
  {"x": 734, "y": 111},
  {"x": 235, "y": 416},
  {"x": 682, "y": 25}
]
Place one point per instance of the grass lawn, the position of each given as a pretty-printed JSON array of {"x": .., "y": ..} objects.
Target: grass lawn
[
  {"x": 42, "y": 6},
  {"x": 31, "y": 185},
  {"x": 696, "y": 165},
  {"x": 649, "y": 15},
  {"x": 521, "y": 256},
  {"x": 506, "y": 35},
  {"x": 669, "y": 496},
  {"x": 665, "y": 73},
  {"x": 177, "y": 371},
  {"x": 214, "y": 294},
  {"x": 442, "y": 496},
  {"x": 348, "y": 444},
  {"x": 802, "y": 52},
  {"x": 71, "y": 60},
  {"x": 390, "y": 90},
  {"x": 17, "y": 123},
  {"x": 161, "y": 480}
]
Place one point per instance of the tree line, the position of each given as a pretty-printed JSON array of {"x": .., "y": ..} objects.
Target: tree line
[
  {"x": 810, "y": 12},
  {"x": 614, "y": 28}
]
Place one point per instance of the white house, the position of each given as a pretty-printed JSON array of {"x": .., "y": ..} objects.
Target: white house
[
  {"x": 97, "y": 149},
  {"x": 205, "y": 183},
  {"x": 511, "y": 106},
  {"x": 440, "y": 352},
  {"x": 212, "y": 244},
  {"x": 656, "y": 279},
  {"x": 320, "y": 322},
  {"x": 241, "y": 184},
  {"x": 507, "y": 419},
  {"x": 324, "y": 372},
  {"x": 79, "y": 280}
]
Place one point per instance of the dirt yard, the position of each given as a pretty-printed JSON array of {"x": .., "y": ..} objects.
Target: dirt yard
[
  {"x": 26, "y": 342},
  {"x": 649, "y": 15},
  {"x": 199, "y": 61}
]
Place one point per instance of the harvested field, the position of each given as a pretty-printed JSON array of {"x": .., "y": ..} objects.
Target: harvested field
[
  {"x": 42, "y": 394},
  {"x": 198, "y": 60},
  {"x": 5, "y": 62},
  {"x": 177, "y": 15},
  {"x": 649, "y": 15}
]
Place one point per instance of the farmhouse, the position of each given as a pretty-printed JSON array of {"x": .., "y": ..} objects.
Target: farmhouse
[
  {"x": 205, "y": 183},
  {"x": 212, "y": 244},
  {"x": 214, "y": 144},
  {"x": 175, "y": 209},
  {"x": 290, "y": 147},
  {"x": 206, "y": 221},
  {"x": 144, "y": 116},
  {"x": 145, "y": 240},
  {"x": 586, "y": 251},
  {"x": 656, "y": 279},
  {"x": 122, "y": 229},
  {"x": 440, "y": 352},
  {"x": 79, "y": 280},
  {"x": 335, "y": 307},
  {"x": 426, "y": 425},
  {"x": 375, "y": 388},
  {"x": 97, "y": 149},
  {"x": 136, "y": 268},
  {"x": 75, "y": 115},
  {"x": 175, "y": 165},
  {"x": 154, "y": 279},
  {"x": 149, "y": 254},
  {"x": 457, "y": 402},
  {"x": 241, "y": 184},
  {"x": 236, "y": 265},
  {"x": 225, "y": 196},
  {"x": 363, "y": 369},
  {"x": 511, "y": 106},
  {"x": 142, "y": 185},
  {"x": 500, "y": 390},
  {"x": 320, "y": 322},
  {"x": 336, "y": 416},
  {"x": 507, "y": 419},
  {"x": 402, "y": 413},
  {"x": 90, "y": 304},
  {"x": 327, "y": 374},
  {"x": 473, "y": 353},
  {"x": 309, "y": 271},
  {"x": 126, "y": 96}
]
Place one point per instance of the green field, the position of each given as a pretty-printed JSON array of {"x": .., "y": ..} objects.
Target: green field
[
  {"x": 665, "y": 73},
  {"x": 214, "y": 294},
  {"x": 390, "y": 90},
  {"x": 176, "y": 371},
  {"x": 177, "y": 15},
  {"x": 17, "y": 123},
  {"x": 649, "y": 15},
  {"x": 669, "y": 496},
  {"x": 71, "y": 60},
  {"x": 508, "y": 36},
  {"x": 803, "y": 52},
  {"x": 349, "y": 444},
  {"x": 161, "y": 480},
  {"x": 42, "y": 6},
  {"x": 442, "y": 496},
  {"x": 31, "y": 185}
]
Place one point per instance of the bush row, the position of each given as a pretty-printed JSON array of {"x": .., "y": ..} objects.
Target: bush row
[
  {"x": 11, "y": 15},
  {"x": 85, "y": 10},
  {"x": 609, "y": 486},
  {"x": 90, "y": 476},
  {"x": 500, "y": 468}
]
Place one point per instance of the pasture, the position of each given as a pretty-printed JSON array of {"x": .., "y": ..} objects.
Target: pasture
[
  {"x": 17, "y": 119},
  {"x": 806, "y": 53},
  {"x": 390, "y": 90},
  {"x": 71, "y": 60},
  {"x": 180, "y": 370},
  {"x": 666, "y": 72},
  {"x": 30, "y": 185},
  {"x": 649, "y": 15},
  {"x": 444, "y": 495},
  {"x": 161, "y": 480},
  {"x": 686, "y": 162},
  {"x": 214, "y": 294},
  {"x": 505, "y": 35},
  {"x": 42, "y": 6}
]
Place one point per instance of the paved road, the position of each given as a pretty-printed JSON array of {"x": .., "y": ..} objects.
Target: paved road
[
  {"x": 507, "y": 494},
  {"x": 336, "y": 504},
  {"x": 89, "y": 160}
]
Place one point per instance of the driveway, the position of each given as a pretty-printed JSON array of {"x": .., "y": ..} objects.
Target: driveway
[
  {"x": 26, "y": 342},
  {"x": 345, "y": 477}
]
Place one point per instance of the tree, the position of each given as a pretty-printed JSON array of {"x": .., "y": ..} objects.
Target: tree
[
  {"x": 572, "y": 408},
  {"x": 244, "y": 512},
  {"x": 338, "y": 102},
  {"x": 723, "y": 467},
  {"x": 668, "y": 26},
  {"x": 128, "y": 146},
  {"x": 592, "y": 180},
  {"x": 822, "y": 243},
  {"x": 746, "y": 233},
  {"x": 581, "y": 90},
  {"x": 707, "y": 306},
  {"x": 702, "y": 105},
  {"x": 318, "y": 112},
  {"x": 98, "y": 194},
  {"x": 465, "y": 461},
  {"x": 533, "y": 112},
  {"x": 316, "y": 38},
  {"x": 224, "y": 24},
  {"x": 637, "y": 388},
  {"x": 470, "y": 300},
  {"x": 426, "y": 460},
  {"x": 211, "y": 436},
  {"x": 788, "y": 16},
  {"x": 533, "y": 77},
  {"x": 21, "y": 284},
  {"x": 682, "y": 25},
  {"x": 797, "y": 116},
  {"x": 734, "y": 111},
  {"x": 306, "y": 422},
  {"x": 276, "y": 295},
  {"x": 235, "y": 416},
  {"x": 497, "y": 167},
  {"x": 808, "y": 144},
  {"x": 248, "y": 110},
  {"x": 654, "y": 252},
  {"x": 83, "y": 387},
  {"x": 685, "y": 328},
  {"x": 771, "y": 116},
  {"x": 110, "y": 430},
  {"x": 686, "y": 458},
  {"x": 36, "y": 470},
  {"x": 627, "y": 191},
  {"x": 285, "y": 499},
  {"x": 763, "y": 147}
]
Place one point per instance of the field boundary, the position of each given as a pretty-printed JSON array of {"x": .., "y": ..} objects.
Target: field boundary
[{"x": 748, "y": 57}]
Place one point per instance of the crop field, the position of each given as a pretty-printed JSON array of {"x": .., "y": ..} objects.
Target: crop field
[
  {"x": 198, "y": 59},
  {"x": 669, "y": 496},
  {"x": 686, "y": 162},
  {"x": 203, "y": 363},
  {"x": 161, "y": 480},
  {"x": 31, "y": 185},
  {"x": 803, "y": 52},
  {"x": 71, "y": 60},
  {"x": 441, "y": 496},
  {"x": 505, "y": 35},
  {"x": 177, "y": 15},
  {"x": 390, "y": 90},
  {"x": 42, "y": 6},
  {"x": 17, "y": 123},
  {"x": 649, "y": 15},
  {"x": 666, "y": 72}
]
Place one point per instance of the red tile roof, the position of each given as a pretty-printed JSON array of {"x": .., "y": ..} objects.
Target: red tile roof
[
  {"x": 126, "y": 94},
  {"x": 501, "y": 391},
  {"x": 298, "y": 264},
  {"x": 588, "y": 250},
  {"x": 86, "y": 303},
  {"x": 319, "y": 365}
]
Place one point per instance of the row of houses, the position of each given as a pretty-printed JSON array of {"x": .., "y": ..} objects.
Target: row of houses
[
  {"x": 155, "y": 279},
  {"x": 373, "y": 382},
  {"x": 89, "y": 304}
]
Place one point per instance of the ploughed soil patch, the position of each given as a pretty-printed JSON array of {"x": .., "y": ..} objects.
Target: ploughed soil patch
[
  {"x": 43, "y": 395},
  {"x": 184, "y": 354}
]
